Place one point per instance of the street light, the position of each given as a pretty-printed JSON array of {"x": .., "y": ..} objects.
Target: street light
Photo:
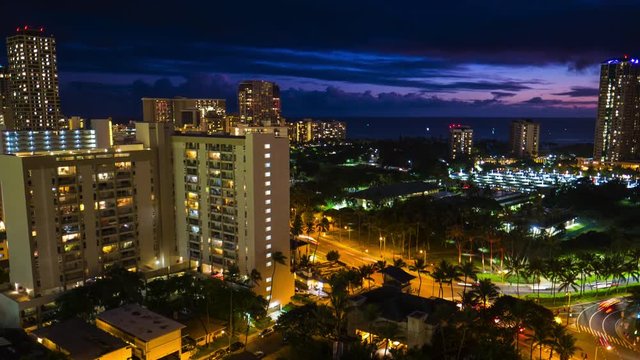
[{"x": 424, "y": 255}]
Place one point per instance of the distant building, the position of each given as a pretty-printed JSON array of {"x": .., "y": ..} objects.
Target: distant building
[
  {"x": 151, "y": 335},
  {"x": 259, "y": 103},
  {"x": 460, "y": 141},
  {"x": 387, "y": 195},
  {"x": 525, "y": 138},
  {"x": 308, "y": 131},
  {"x": 33, "y": 70},
  {"x": 82, "y": 341},
  {"x": 13, "y": 142},
  {"x": 232, "y": 196},
  {"x": 617, "y": 136},
  {"x": 6, "y": 111},
  {"x": 416, "y": 318},
  {"x": 186, "y": 114}
]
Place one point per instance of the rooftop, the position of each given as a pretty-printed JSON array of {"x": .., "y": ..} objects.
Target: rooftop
[
  {"x": 81, "y": 340},
  {"x": 397, "y": 306},
  {"x": 139, "y": 322},
  {"x": 395, "y": 190},
  {"x": 398, "y": 274}
]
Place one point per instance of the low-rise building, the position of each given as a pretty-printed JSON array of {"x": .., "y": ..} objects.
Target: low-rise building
[
  {"x": 415, "y": 317},
  {"x": 387, "y": 195},
  {"x": 82, "y": 341},
  {"x": 152, "y": 336}
]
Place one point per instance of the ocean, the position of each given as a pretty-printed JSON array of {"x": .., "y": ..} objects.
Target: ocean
[{"x": 562, "y": 131}]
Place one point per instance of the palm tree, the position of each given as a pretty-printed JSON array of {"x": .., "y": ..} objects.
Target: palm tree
[
  {"x": 516, "y": 265},
  {"x": 439, "y": 277},
  {"x": 456, "y": 233},
  {"x": 469, "y": 272},
  {"x": 366, "y": 271},
  {"x": 322, "y": 227},
  {"x": 399, "y": 262},
  {"x": 535, "y": 269},
  {"x": 255, "y": 277},
  {"x": 568, "y": 280},
  {"x": 538, "y": 338},
  {"x": 277, "y": 258},
  {"x": 565, "y": 346},
  {"x": 419, "y": 266},
  {"x": 333, "y": 256},
  {"x": 484, "y": 292},
  {"x": 585, "y": 264}
]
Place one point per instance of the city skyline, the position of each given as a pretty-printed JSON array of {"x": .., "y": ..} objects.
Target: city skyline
[{"x": 452, "y": 65}]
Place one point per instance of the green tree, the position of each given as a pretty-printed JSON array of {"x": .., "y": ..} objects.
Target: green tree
[
  {"x": 484, "y": 292},
  {"x": 333, "y": 256},
  {"x": 469, "y": 272},
  {"x": 419, "y": 266}
]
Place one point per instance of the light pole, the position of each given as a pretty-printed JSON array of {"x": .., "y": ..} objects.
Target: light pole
[{"x": 424, "y": 255}]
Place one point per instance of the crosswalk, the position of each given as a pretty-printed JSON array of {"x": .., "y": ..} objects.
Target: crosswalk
[{"x": 611, "y": 339}]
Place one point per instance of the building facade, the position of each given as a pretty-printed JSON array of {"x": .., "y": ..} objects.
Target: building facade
[
  {"x": 232, "y": 196},
  {"x": 617, "y": 136},
  {"x": 6, "y": 112},
  {"x": 71, "y": 215},
  {"x": 308, "y": 131},
  {"x": 460, "y": 141},
  {"x": 187, "y": 114},
  {"x": 525, "y": 138},
  {"x": 259, "y": 103},
  {"x": 33, "y": 72},
  {"x": 13, "y": 142}
]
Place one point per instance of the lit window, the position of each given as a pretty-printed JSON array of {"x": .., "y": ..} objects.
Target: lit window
[
  {"x": 267, "y": 211},
  {"x": 268, "y": 246},
  {"x": 267, "y": 165},
  {"x": 268, "y": 288},
  {"x": 267, "y": 183},
  {"x": 269, "y": 264},
  {"x": 268, "y": 255},
  {"x": 267, "y": 146},
  {"x": 267, "y": 192},
  {"x": 268, "y": 228},
  {"x": 267, "y": 156},
  {"x": 268, "y": 219},
  {"x": 267, "y": 202},
  {"x": 267, "y": 174},
  {"x": 268, "y": 279},
  {"x": 268, "y": 237}
]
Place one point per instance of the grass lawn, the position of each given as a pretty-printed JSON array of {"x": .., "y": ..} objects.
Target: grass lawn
[{"x": 547, "y": 300}]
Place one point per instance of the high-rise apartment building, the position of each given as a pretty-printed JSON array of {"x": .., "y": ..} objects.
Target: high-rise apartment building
[
  {"x": 308, "y": 131},
  {"x": 6, "y": 112},
  {"x": 186, "y": 114},
  {"x": 70, "y": 215},
  {"x": 259, "y": 103},
  {"x": 525, "y": 138},
  {"x": 460, "y": 141},
  {"x": 33, "y": 74},
  {"x": 617, "y": 136},
  {"x": 232, "y": 201}
]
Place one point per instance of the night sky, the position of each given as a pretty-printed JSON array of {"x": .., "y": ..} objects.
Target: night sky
[{"x": 336, "y": 58}]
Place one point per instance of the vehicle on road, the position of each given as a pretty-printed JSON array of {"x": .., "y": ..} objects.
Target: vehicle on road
[
  {"x": 218, "y": 354},
  {"x": 609, "y": 306},
  {"x": 266, "y": 332},
  {"x": 258, "y": 354},
  {"x": 235, "y": 347},
  {"x": 605, "y": 343}
]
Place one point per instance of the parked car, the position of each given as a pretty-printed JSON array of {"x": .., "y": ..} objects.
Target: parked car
[
  {"x": 235, "y": 347},
  {"x": 218, "y": 354},
  {"x": 266, "y": 332}
]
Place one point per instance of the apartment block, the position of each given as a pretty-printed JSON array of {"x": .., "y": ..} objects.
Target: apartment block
[
  {"x": 525, "y": 138},
  {"x": 460, "y": 141},
  {"x": 232, "y": 201},
  {"x": 71, "y": 215},
  {"x": 186, "y": 114}
]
